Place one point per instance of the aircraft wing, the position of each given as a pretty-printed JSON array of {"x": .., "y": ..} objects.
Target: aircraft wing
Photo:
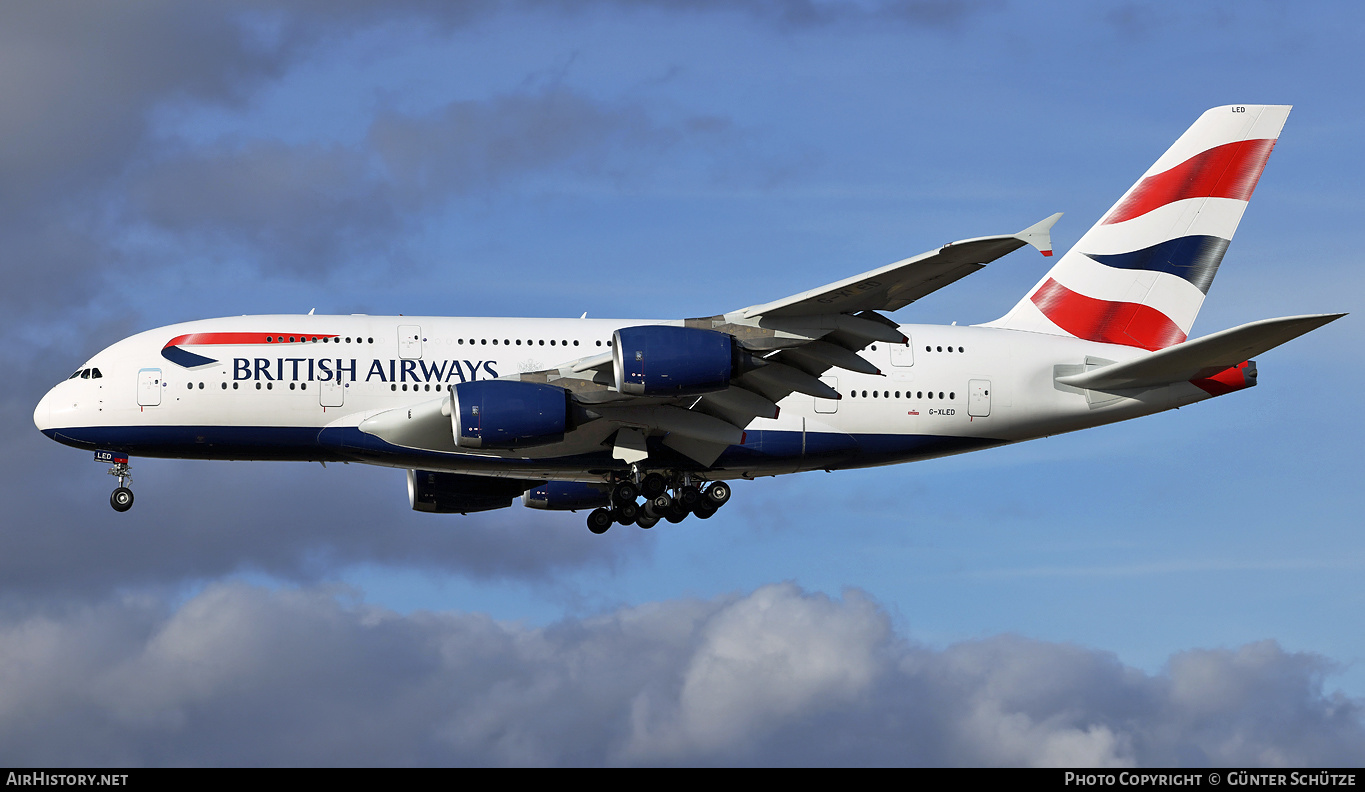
[
  {"x": 794, "y": 341},
  {"x": 895, "y": 286},
  {"x": 785, "y": 346}
]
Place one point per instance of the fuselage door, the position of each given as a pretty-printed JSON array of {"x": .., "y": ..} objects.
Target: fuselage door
[
  {"x": 149, "y": 387},
  {"x": 979, "y": 398},
  {"x": 902, "y": 354},
  {"x": 828, "y": 405},
  {"x": 332, "y": 393},
  {"x": 409, "y": 342}
]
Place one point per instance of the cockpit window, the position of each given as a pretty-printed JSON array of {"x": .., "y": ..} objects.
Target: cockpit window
[
  {"x": 73, "y": 376},
  {"x": 85, "y": 374},
  {"x": 95, "y": 373}
]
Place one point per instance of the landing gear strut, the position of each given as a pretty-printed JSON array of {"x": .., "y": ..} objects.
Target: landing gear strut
[
  {"x": 122, "y": 498},
  {"x": 686, "y": 498}
]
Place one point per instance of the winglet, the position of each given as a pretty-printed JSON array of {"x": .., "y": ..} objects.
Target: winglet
[{"x": 1040, "y": 234}]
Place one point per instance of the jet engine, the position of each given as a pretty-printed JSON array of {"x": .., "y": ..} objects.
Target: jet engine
[
  {"x": 449, "y": 493},
  {"x": 567, "y": 495},
  {"x": 509, "y": 414},
  {"x": 662, "y": 360}
]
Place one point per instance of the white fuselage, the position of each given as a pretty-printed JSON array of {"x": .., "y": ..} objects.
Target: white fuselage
[{"x": 298, "y": 387}]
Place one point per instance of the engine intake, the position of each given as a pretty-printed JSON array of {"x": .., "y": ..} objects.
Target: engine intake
[
  {"x": 662, "y": 360},
  {"x": 508, "y": 414}
]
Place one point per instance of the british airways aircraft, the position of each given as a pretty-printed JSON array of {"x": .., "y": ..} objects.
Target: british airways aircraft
[{"x": 647, "y": 420}]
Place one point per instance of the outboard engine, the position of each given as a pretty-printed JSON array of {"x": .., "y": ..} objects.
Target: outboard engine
[{"x": 663, "y": 360}]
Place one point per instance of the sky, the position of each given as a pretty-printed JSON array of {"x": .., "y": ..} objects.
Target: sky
[{"x": 1184, "y": 589}]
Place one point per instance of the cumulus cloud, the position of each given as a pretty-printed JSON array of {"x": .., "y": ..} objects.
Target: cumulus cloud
[{"x": 244, "y": 675}]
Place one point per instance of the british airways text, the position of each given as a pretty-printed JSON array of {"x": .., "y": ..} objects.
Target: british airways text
[{"x": 338, "y": 369}]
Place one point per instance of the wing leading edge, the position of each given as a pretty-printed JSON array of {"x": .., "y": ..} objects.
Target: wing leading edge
[{"x": 895, "y": 286}]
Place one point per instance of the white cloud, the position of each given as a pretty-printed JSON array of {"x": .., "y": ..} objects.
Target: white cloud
[{"x": 246, "y": 675}]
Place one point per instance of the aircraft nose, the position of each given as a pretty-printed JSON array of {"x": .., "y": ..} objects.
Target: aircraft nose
[{"x": 42, "y": 414}]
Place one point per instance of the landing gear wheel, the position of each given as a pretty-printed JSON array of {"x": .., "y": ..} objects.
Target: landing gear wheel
[
  {"x": 676, "y": 513},
  {"x": 652, "y": 484},
  {"x": 598, "y": 521},
  {"x": 705, "y": 510},
  {"x": 626, "y": 513},
  {"x": 718, "y": 493},
  {"x": 658, "y": 505},
  {"x": 624, "y": 492},
  {"x": 689, "y": 497},
  {"x": 121, "y": 499},
  {"x": 646, "y": 522}
]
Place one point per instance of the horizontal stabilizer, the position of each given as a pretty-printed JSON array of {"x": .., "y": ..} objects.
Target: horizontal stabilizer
[{"x": 1200, "y": 358}]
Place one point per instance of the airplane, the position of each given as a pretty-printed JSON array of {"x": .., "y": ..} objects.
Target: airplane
[{"x": 639, "y": 421}]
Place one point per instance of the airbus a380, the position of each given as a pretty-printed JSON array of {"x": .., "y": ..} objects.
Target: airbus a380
[{"x": 647, "y": 420}]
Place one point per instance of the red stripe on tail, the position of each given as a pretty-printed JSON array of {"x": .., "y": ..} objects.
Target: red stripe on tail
[
  {"x": 1227, "y": 171},
  {"x": 1129, "y": 324}
]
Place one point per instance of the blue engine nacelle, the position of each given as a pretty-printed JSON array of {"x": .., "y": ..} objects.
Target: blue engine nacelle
[
  {"x": 508, "y": 414},
  {"x": 449, "y": 493},
  {"x": 662, "y": 360},
  {"x": 567, "y": 496}
]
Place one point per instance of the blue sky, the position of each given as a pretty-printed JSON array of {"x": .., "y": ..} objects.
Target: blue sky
[{"x": 1182, "y": 589}]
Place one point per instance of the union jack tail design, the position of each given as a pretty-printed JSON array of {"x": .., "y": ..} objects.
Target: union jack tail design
[{"x": 1140, "y": 275}]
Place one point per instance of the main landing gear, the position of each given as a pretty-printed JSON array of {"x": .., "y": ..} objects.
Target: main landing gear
[
  {"x": 122, "y": 498},
  {"x": 663, "y": 500}
]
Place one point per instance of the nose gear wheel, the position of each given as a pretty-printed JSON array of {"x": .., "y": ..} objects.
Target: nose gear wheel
[{"x": 122, "y": 498}]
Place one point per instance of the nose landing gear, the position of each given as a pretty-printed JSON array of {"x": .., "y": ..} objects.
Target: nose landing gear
[{"x": 122, "y": 498}]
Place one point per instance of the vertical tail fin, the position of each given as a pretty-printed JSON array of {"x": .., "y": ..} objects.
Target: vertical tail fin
[{"x": 1139, "y": 276}]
